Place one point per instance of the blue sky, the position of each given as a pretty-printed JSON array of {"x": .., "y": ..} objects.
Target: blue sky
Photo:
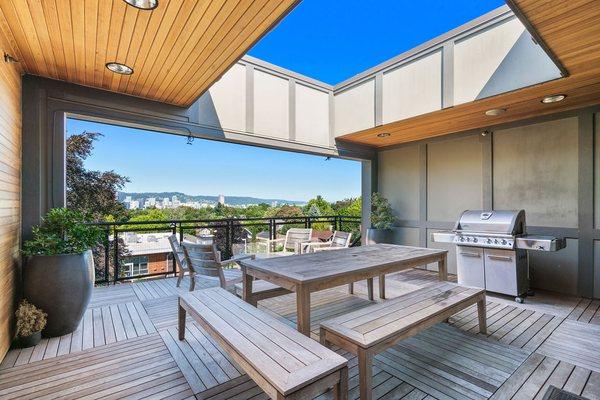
[
  {"x": 334, "y": 40},
  {"x": 327, "y": 40}
]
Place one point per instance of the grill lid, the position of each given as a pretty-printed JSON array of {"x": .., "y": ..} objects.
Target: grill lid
[{"x": 506, "y": 222}]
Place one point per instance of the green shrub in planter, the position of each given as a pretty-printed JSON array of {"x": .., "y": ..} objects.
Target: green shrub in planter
[
  {"x": 59, "y": 273},
  {"x": 382, "y": 221}
]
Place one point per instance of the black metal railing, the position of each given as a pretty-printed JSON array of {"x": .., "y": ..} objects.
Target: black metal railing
[{"x": 140, "y": 249}]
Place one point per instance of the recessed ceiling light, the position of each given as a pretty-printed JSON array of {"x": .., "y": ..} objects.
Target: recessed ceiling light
[
  {"x": 119, "y": 68},
  {"x": 495, "y": 111},
  {"x": 554, "y": 98},
  {"x": 382, "y": 135},
  {"x": 143, "y": 4}
]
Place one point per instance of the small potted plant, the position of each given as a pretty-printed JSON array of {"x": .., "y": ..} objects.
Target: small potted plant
[
  {"x": 30, "y": 323},
  {"x": 58, "y": 275},
  {"x": 382, "y": 221}
]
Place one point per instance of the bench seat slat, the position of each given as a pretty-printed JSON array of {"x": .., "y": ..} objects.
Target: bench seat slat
[
  {"x": 278, "y": 338},
  {"x": 379, "y": 322},
  {"x": 361, "y": 316},
  {"x": 277, "y": 353}
]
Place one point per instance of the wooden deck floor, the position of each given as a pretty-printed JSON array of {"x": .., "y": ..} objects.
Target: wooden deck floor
[{"x": 127, "y": 347}]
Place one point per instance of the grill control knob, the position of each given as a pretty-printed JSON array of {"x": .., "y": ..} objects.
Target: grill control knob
[
  {"x": 503, "y": 241},
  {"x": 462, "y": 239},
  {"x": 474, "y": 240},
  {"x": 489, "y": 241}
]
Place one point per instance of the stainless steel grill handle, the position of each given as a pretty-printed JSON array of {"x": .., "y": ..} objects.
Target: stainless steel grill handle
[{"x": 499, "y": 258}]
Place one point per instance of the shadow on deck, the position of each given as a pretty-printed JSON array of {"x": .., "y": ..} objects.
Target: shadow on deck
[{"x": 127, "y": 347}]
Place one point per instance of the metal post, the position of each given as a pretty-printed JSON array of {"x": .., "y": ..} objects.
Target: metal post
[
  {"x": 180, "y": 232},
  {"x": 116, "y": 245},
  {"x": 228, "y": 238},
  {"x": 107, "y": 255}
]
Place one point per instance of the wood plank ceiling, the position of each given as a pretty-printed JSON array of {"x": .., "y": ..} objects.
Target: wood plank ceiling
[
  {"x": 570, "y": 29},
  {"x": 177, "y": 51}
]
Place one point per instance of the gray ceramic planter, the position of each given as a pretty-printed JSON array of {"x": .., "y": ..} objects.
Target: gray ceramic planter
[
  {"x": 375, "y": 236},
  {"x": 61, "y": 286}
]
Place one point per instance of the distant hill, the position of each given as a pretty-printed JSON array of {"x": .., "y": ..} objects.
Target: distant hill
[{"x": 184, "y": 198}]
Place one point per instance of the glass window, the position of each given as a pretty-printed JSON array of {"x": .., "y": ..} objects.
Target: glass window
[{"x": 134, "y": 266}]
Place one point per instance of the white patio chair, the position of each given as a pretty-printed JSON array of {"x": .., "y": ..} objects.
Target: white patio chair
[
  {"x": 292, "y": 243},
  {"x": 339, "y": 240}
]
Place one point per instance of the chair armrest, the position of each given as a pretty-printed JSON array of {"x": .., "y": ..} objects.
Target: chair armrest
[
  {"x": 271, "y": 240},
  {"x": 237, "y": 258}
]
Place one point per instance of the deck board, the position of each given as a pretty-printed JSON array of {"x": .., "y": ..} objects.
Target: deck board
[
  {"x": 100, "y": 326},
  {"x": 127, "y": 346}
]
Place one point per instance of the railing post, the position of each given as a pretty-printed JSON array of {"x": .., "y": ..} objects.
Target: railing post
[
  {"x": 228, "y": 237},
  {"x": 180, "y": 232},
  {"x": 107, "y": 255},
  {"x": 308, "y": 222},
  {"x": 116, "y": 246}
]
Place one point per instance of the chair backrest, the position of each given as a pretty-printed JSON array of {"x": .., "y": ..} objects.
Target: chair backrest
[
  {"x": 295, "y": 237},
  {"x": 204, "y": 259},
  {"x": 190, "y": 238},
  {"x": 341, "y": 239},
  {"x": 177, "y": 253}
]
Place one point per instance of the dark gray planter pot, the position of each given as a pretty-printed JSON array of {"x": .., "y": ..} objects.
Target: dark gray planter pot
[
  {"x": 375, "y": 236},
  {"x": 61, "y": 286}
]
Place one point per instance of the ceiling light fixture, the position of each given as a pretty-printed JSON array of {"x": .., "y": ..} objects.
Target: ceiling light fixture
[
  {"x": 554, "y": 98},
  {"x": 10, "y": 59},
  {"x": 495, "y": 111},
  {"x": 143, "y": 4},
  {"x": 383, "y": 135},
  {"x": 119, "y": 68}
]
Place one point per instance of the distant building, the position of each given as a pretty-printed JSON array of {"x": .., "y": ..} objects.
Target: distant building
[
  {"x": 133, "y": 205},
  {"x": 221, "y": 200},
  {"x": 150, "y": 253}
]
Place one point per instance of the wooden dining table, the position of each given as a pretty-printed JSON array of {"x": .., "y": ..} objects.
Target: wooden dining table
[{"x": 307, "y": 273}]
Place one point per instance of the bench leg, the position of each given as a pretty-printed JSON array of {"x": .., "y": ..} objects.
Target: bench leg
[
  {"x": 181, "y": 322},
  {"x": 370, "y": 288},
  {"x": 192, "y": 281},
  {"x": 351, "y": 288},
  {"x": 340, "y": 391},
  {"x": 382, "y": 286},
  {"x": 481, "y": 313},
  {"x": 322, "y": 339},
  {"x": 365, "y": 374}
]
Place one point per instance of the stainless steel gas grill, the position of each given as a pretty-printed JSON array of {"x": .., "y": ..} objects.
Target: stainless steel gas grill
[{"x": 492, "y": 250}]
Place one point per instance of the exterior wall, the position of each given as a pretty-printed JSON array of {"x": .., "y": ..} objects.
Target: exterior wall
[
  {"x": 10, "y": 195},
  {"x": 413, "y": 89},
  {"x": 354, "y": 108},
  {"x": 157, "y": 263},
  {"x": 490, "y": 55},
  {"x": 545, "y": 166},
  {"x": 261, "y": 100}
]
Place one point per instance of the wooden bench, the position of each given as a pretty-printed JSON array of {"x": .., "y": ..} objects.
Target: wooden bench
[
  {"x": 373, "y": 329},
  {"x": 261, "y": 290},
  {"x": 282, "y": 361}
]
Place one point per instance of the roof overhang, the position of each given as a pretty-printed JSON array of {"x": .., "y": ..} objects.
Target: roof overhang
[
  {"x": 570, "y": 34},
  {"x": 177, "y": 51}
]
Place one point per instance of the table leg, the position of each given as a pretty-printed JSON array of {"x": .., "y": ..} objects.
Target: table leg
[
  {"x": 443, "y": 268},
  {"x": 370, "y": 288},
  {"x": 382, "y": 286},
  {"x": 247, "y": 280},
  {"x": 303, "y": 309},
  {"x": 181, "y": 322},
  {"x": 481, "y": 313},
  {"x": 351, "y": 288},
  {"x": 340, "y": 391},
  {"x": 365, "y": 374}
]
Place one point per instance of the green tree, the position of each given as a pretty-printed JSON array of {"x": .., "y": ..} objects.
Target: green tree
[
  {"x": 92, "y": 193},
  {"x": 319, "y": 207}
]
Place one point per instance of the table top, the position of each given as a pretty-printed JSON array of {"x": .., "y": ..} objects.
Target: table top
[{"x": 304, "y": 268}]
